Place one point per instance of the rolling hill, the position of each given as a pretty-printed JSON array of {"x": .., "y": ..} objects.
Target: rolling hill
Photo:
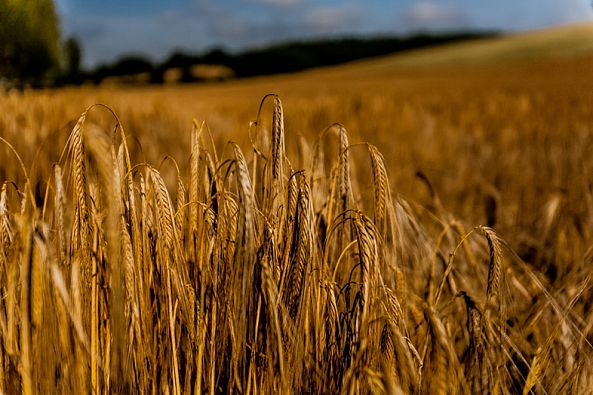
[{"x": 562, "y": 42}]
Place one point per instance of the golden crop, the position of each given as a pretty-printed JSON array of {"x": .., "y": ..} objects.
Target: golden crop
[{"x": 437, "y": 240}]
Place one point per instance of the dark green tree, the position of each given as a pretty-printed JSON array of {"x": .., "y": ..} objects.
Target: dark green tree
[
  {"x": 29, "y": 40},
  {"x": 72, "y": 57}
]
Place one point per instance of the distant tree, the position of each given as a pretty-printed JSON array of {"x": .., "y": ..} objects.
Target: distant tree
[
  {"x": 73, "y": 56},
  {"x": 29, "y": 40},
  {"x": 181, "y": 60},
  {"x": 216, "y": 56},
  {"x": 157, "y": 76},
  {"x": 99, "y": 74},
  {"x": 130, "y": 65},
  {"x": 186, "y": 74}
]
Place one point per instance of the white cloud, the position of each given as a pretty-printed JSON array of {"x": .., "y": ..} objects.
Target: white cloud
[
  {"x": 326, "y": 19},
  {"x": 430, "y": 15}
]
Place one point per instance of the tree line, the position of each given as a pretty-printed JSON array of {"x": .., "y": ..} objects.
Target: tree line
[{"x": 279, "y": 58}]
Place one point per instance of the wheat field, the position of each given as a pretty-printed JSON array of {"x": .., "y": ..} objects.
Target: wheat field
[{"x": 420, "y": 232}]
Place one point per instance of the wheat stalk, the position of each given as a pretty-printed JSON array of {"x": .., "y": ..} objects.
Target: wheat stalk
[{"x": 495, "y": 266}]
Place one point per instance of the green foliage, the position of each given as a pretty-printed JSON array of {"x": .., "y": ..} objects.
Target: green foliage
[
  {"x": 73, "y": 55},
  {"x": 29, "y": 39}
]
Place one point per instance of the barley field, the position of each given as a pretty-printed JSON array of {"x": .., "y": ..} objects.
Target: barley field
[{"x": 374, "y": 228}]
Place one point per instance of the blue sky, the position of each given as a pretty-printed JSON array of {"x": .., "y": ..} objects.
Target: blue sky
[{"x": 109, "y": 28}]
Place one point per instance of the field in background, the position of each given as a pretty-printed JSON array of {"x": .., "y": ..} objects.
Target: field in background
[
  {"x": 496, "y": 133},
  {"x": 471, "y": 129}
]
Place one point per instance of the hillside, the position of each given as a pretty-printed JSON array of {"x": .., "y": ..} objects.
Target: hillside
[{"x": 563, "y": 42}]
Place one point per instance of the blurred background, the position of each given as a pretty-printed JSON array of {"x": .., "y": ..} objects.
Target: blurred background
[{"x": 55, "y": 43}]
